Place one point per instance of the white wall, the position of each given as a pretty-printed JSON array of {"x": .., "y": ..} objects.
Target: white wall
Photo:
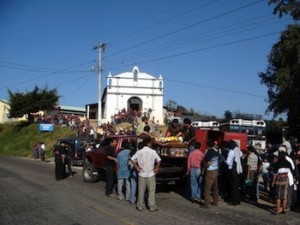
[{"x": 122, "y": 87}]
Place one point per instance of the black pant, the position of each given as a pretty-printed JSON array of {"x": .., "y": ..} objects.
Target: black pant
[
  {"x": 59, "y": 168},
  {"x": 109, "y": 171},
  {"x": 69, "y": 165},
  {"x": 234, "y": 182}
]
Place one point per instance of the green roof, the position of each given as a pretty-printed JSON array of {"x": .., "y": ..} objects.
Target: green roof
[{"x": 72, "y": 108}]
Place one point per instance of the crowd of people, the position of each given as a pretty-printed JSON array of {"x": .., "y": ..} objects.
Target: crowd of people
[
  {"x": 85, "y": 129},
  {"x": 220, "y": 172},
  {"x": 228, "y": 172}
]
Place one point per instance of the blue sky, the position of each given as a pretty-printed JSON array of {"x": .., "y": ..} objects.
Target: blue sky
[{"x": 208, "y": 52}]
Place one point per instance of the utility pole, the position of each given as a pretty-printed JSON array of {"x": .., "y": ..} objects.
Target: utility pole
[{"x": 100, "y": 48}]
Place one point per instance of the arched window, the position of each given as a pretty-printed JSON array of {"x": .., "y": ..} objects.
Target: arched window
[{"x": 109, "y": 83}]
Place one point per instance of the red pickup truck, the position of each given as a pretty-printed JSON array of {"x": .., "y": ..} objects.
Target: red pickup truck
[
  {"x": 173, "y": 155},
  {"x": 173, "y": 160}
]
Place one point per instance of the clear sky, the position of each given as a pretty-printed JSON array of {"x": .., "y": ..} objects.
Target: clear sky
[{"x": 208, "y": 52}]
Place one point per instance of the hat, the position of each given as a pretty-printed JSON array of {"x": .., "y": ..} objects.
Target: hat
[{"x": 282, "y": 149}]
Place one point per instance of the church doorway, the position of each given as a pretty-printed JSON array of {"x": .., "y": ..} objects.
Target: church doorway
[{"x": 134, "y": 104}]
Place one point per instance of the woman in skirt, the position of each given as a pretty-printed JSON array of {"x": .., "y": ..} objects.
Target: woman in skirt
[{"x": 281, "y": 180}]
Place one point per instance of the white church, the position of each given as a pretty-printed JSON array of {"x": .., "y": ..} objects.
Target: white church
[{"x": 132, "y": 90}]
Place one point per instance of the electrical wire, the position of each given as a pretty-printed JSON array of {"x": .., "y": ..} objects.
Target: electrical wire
[
  {"x": 215, "y": 88},
  {"x": 162, "y": 22},
  {"x": 36, "y": 68},
  {"x": 201, "y": 49},
  {"x": 195, "y": 41},
  {"x": 187, "y": 27}
]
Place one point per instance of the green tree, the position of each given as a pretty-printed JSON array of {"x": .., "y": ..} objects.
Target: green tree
[
  {"x": 291, "y": 7},
  {"x": 30, "y": 102},
  {"x": 274, "y": 130},
  {"x": 228, "y": 115},
  {"x": 171, "y": 104},
  {"x": 282, "y": 76}
]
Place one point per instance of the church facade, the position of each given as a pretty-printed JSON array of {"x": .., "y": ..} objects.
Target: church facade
[{"x": 134, "y": 90}]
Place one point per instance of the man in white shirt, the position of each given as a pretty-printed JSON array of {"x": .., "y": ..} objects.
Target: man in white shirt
[{"x": 144, "y": 161}]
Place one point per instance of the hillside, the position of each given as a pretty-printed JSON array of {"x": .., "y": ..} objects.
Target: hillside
[{"x": 16, "y": 139}]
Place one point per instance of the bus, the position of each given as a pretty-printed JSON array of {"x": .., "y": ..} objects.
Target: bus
[
  {"x": 255, "y": 129},
  {"x": 209, "y": 125}
]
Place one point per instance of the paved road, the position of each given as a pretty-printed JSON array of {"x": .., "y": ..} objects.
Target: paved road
[{"x": 30, "y": 195}]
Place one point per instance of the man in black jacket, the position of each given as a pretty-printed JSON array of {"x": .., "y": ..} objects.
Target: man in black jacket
[{"x": 109, "y": 166}]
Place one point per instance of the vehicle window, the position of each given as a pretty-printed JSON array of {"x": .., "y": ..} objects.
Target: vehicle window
[
  {"x": 82, "y": 144},
  {"x": 128, "y": 143},
  {"x": 104, "y": 143}
]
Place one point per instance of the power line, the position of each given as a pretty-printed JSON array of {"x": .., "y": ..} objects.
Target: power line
[
  {"x": 36, "y": 68},
  {"x": 199, "y": 40},
  {"x": 216, "y": 88},
  {"x": 164, "y": 21},
  {"x": 78, "y": 87},
  {"x": 202, "y": 49},
  {"x": 42, "y": 76},
  {"x": 187, "y": 27}
]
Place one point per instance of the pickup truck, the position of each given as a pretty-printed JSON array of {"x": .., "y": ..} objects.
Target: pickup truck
[
  {"x": 78, "y": 145},
  {"x": 173, "y": 160}
]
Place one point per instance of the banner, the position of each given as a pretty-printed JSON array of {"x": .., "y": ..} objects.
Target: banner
[{"x": 46, "y": 127}]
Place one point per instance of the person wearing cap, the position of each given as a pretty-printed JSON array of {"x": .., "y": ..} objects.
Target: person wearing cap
[{"x": 281, "y": 180}]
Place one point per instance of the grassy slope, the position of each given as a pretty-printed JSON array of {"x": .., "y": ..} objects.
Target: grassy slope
[{"x": 16, "y": 139}]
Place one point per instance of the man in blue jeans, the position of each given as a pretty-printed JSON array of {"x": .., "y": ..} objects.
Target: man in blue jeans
[{"x": 194, "y": 170}]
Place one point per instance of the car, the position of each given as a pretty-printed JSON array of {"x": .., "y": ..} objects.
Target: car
[
  {"x": 173, "y": 160},
  {"x": 78, "y": 145}
]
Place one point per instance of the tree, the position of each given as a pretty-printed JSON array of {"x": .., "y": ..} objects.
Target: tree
[
  {"x": 171, "y": 105},
  {"x": 228, "y": 115},
  {"x": 282, "y": 76},
  {"x": 291, "y": 7},
  {"x": 30, "y": 102},
  {"x": 274, "y": 130}
]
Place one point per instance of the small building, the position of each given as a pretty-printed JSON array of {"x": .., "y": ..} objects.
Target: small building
[
  {"x": 69, "y": 110},
  {"x": 66, "y": 110},
  {"x": 4, "y": 113},
  {"x": 135, "y": 91}
]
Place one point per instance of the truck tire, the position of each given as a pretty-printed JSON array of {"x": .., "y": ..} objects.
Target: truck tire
[{"x": 89, "y": 173}]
